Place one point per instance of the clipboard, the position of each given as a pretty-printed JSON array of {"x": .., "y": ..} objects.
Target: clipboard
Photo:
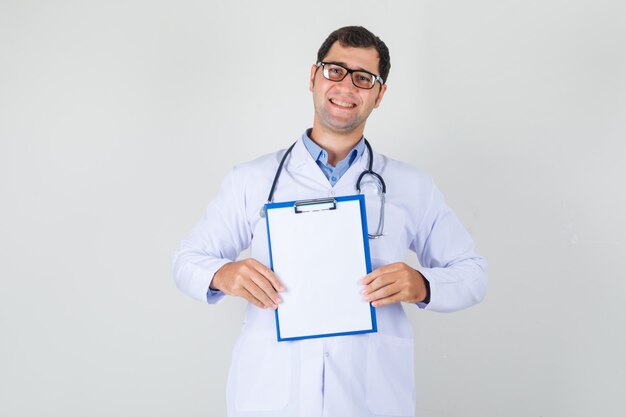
[{"x": 319, "y": 249}]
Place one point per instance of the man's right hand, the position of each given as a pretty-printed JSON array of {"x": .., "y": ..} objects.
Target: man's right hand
[{"x": 251, "y": 280}]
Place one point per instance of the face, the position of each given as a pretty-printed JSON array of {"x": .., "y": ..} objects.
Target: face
[{"x": 341, "y": 107}]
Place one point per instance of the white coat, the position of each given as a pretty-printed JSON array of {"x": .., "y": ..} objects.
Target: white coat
[{"x": 363, "y": 375}]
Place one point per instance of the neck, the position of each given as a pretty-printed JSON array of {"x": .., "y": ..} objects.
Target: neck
[{"x": 337, "y": 144}]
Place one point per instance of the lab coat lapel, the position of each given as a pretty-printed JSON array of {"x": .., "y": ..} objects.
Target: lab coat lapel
[
  {"x": 347, "y": 183},
  {"x": 302, "y": 163}
]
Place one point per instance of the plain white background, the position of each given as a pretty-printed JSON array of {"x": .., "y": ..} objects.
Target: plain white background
[{"x": 118, "y": 119}]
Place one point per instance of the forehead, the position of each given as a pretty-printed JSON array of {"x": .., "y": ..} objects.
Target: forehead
[{"x": 354, "y": 58}]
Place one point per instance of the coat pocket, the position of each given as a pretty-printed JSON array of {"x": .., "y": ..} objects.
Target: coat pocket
[
  {"x": 390, "y": 384},
  {"x": 263, "y": 372}
]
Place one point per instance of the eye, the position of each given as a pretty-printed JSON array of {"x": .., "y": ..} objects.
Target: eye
[{"x": 363, "y": 79}]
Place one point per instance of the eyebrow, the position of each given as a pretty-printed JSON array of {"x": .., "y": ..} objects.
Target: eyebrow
[{"x": 347, "y": 66}]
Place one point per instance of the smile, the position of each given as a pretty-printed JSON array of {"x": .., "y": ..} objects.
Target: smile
[{"x": 342, "y": 103}]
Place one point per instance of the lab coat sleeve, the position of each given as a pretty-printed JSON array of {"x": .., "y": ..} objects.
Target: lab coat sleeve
[
  {"x": 457, "y": 275},
  {"x": 219, "y": 237}
]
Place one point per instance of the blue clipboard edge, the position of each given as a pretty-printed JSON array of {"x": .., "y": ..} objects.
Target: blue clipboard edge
[{"x": 368, "y": 265}]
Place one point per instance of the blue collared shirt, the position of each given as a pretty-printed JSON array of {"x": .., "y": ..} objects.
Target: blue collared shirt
[{"x": 320, "y": 156}]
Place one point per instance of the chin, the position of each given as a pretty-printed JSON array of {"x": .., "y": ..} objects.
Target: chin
[{"x": 344, "y": 127}]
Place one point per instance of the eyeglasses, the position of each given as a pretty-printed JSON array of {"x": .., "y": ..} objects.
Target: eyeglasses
[{"x": 360, "y": 78}]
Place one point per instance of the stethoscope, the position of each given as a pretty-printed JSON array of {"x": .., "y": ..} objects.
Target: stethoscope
[{"x": 382, "y": 188}]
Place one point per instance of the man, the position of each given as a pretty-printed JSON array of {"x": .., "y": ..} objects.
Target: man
[{"x": 358, "y": 375}]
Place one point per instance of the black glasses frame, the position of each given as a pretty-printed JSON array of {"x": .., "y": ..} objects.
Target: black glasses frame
[{"x": 349, "y": 72}]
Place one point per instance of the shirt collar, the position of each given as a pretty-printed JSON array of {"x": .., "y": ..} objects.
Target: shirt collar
[{"x": 319, "y": 154}]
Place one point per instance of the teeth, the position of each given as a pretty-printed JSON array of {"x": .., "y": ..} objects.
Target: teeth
[{"x": 342, "y": 104}]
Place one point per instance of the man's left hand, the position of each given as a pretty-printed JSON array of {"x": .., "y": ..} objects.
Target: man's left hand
[{"x": 394, "y": 283}]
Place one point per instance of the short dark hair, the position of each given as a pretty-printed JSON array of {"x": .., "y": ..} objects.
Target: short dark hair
[{"x": 358, "y": 37}]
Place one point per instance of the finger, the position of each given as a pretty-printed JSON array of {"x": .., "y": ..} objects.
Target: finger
[
  {"x": 269, "y": 275},
  {"x": 380, "y": 271},
  {"x": 254, "y": 289},
  {"x": 273, "y": 279},
  {"x": 266, "y": 286},
  {"x": 251, "y": 298},
  {"x": 367, "y": 279},
  {"x": 380, "y": 281},
  {"x": 391, "y": 272},
  {"x": 395, "y": 298},
  {"x": 384, "y": 292}
]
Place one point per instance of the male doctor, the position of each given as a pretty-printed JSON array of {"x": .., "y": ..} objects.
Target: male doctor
[{"x": 363, "y": 375}]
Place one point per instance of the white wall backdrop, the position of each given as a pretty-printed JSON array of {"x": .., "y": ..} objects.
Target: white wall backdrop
[{"x": 119, "y": 118}]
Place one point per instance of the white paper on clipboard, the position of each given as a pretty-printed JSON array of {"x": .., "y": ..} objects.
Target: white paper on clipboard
[{"x": 319, "y": 250}]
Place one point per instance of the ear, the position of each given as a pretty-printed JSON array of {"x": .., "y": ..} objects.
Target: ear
[
  {"x": 381, "y": 93},
  {"x": 312, "y": 78}
]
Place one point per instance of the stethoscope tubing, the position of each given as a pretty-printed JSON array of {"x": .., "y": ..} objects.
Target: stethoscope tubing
[{"x": 369, "y": 170}]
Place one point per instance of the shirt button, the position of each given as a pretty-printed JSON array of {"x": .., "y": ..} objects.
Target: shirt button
[
  {"x": 326, "y": 354},
  {"x": 332, "y": 192},
  {"x": 333, "y": 178}
]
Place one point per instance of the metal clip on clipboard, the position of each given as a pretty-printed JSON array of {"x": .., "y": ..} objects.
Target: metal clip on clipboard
[{"x": 316, "y": 204}]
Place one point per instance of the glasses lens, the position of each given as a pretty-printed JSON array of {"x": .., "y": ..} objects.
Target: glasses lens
[
  {"x": 363, "y": 79},
  {"x": 333, "y": 72}
]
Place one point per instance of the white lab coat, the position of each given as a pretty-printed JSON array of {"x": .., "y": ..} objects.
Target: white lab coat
[{"x": 347, "y": 376}]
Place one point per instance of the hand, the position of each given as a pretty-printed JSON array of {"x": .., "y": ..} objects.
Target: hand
[
  {"x": 394, "y": 283},
  {"x": 251, "y": 280}
]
